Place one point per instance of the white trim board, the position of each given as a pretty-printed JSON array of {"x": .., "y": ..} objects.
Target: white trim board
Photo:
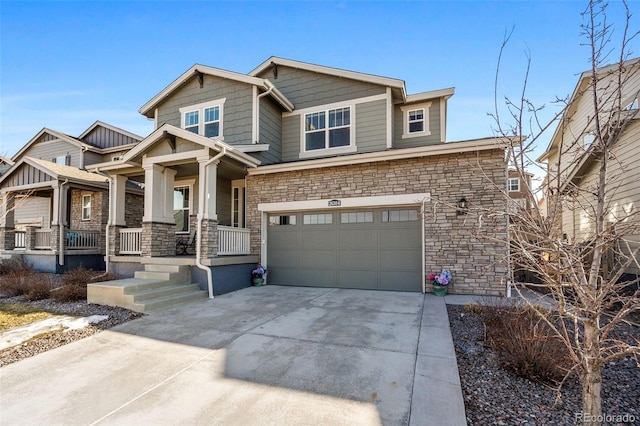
[{"x": 345, "y": 203}]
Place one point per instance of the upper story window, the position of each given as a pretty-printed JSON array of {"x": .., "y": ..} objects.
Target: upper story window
[
  {"x": 327, "y": 129},
  {"x": 416, "y": 120},
  {"x": 204, "y": 119},
  {"x": 513, "y": 184},
  {"x": 588, "y": 140},
  {"x": 63, "y": 159}
]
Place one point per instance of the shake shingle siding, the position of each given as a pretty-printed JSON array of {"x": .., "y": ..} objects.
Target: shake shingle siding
[{"x": 237, "y": 110}]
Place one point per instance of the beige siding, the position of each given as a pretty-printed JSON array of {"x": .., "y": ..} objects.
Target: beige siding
[
  {"x": 92, "y": 158},
  {"x": 308, "y": 89},
  {"x": 33, "y": 211},
  {"x": 434, "y": 128},
  {"x": 48, "y": 150},
  {"x": 237, "y": 110}
]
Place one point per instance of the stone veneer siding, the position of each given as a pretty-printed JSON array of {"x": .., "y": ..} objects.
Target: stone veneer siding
[
  {"x": 158, "y": 239},
  {"x": 477, "y": 263},
  {"x": 99, "y": 213},
  {"x": 7, "y": 238},
  {"x": 209, "y": 238}
]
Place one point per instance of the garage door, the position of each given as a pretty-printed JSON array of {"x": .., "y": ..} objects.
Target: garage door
[{"x": 368, "y": 248}]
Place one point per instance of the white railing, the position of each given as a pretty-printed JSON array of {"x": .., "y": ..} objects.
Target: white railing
[
  {"x": 20, "y": 239},
  {"x": 233, "y": 240},
  {"x": 43, "y": 239},
  {"x": 131, "y": 241},
  {"x": 77, "y": 240}
]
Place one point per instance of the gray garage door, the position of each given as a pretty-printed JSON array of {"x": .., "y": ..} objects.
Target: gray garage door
[{"x": 367, "y": 248}]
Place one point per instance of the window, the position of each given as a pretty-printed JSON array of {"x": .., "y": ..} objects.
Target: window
[
  {"x": 282, "y": 220},
  {"x": 399, "y": 215},
  {"x": 238, "y": 195},
  {"x": 588, "y": 140},
  {"x": 327, "y": 129},
  {"x": 356, "y": 217},
  {"x": 181, "y": 208},
  {"x": 416, "y": 120},
  {"x": 63, "y": 159},
  {"x": 513, "y": 184},
  {"x": 86, "y": 207},
  {"x": 204, "y": 119},
  {"x": 317, "y": 219},
  {"x": 632, "y": 105}
]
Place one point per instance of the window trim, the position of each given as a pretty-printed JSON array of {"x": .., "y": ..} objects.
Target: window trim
[
  {"x": 406, "y": 109},
  {"x": 304, "y": 153},
  {"x": 509, "y": 180},
  {"x": 186, "y": 184},
  {"x": 200, "y": 108},
  {"x": 83, "y": 216}
]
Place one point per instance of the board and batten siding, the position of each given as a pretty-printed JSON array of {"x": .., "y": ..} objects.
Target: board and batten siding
[
  {"x": 48, "y": 150},
  {"x": 25, "y": 175},
  {"x": 307, "y": 89},
  {"x": 434, "y": 127},
  {"x": 237, "y": 109},
  {"x": 107, "y": 138}
]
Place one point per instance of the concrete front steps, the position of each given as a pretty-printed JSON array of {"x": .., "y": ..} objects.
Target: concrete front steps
[{"x": 157, "y": 287}]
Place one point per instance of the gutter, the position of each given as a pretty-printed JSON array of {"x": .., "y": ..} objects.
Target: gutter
[
  {"x": 202, "y": 194},
  {"x": 61, "y": 226}
]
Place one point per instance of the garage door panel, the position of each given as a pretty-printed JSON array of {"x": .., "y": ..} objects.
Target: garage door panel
[
  {"x": 357, "y": 279},
  {"x": 317, "y": 259},
  {"x": 357, "y": 259},
  {"x": 366, "y": 237},
  {"x": 283, "y": 258},
  {"x": 395, "y": 237},
  {"x": 282, "y": 276},
  {"x": 284, "y": 239},
  {"x": 317, "y": 278},
  {"x": 318, "y": 238},
  {"x": 399, "y": 259}
]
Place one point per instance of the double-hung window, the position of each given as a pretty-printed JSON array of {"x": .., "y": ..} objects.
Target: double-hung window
[
  {"x": 327, "y": 129},
  {"x": 513, "y": 184},
  {"x": 203, "y": 119},
  {"x": 181, "y": 208},
  {"x": 86, "y": 207},
  {"x": 416, "y": 120}
]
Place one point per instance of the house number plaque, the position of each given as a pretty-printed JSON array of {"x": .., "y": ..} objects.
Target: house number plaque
[{"x": 335, "y": 203}]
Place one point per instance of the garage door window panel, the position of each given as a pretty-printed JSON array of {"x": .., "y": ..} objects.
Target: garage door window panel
[
  {"x": 318, "y": 219},
  {"x": 282, "y": 220},
  {"x": 399, "y": 215},
  {"x": 356, "y": 217}
]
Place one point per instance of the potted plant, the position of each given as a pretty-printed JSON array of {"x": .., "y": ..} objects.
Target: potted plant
[
  {"x": 440, "y": 282},
  {"x": 258, "y": 275}
]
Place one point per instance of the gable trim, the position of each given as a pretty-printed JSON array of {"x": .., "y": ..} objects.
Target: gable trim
[{"x": 58, "y": 135}]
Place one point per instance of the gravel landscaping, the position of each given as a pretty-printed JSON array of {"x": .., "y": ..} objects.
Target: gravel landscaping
[
  {"x": 53, "y": 340},
  {"x": 494, "y": 396}
]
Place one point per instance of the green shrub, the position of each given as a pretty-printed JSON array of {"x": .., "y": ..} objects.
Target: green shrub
[{"x": 525, "y": 343}]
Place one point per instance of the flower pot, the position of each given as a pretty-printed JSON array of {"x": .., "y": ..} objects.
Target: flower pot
[
  {"x": 257, "y": 281},
  {"x": 440, "y": 290}
]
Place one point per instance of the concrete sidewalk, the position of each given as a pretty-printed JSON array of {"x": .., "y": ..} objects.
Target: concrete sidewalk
[{"x": 266, "y": 355}]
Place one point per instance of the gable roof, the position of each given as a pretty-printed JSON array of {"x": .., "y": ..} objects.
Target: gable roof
[
  {"x": 369, "y": 78},
  {"x": 56, "y": 134},
  {"x": 578, "y": 91},
  {"x": 57, "y": 171},
  {"x": 99, "y": 123},
  {"x": 148, "y": 108}
]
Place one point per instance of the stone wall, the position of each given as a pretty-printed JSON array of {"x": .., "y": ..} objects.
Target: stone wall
[
  {"x": 133, "y": 210},
  {"x": 158, "y": 239},
  {"x": 451, "y": 240}
]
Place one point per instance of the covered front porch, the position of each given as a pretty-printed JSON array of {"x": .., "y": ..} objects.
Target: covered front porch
[
  {"x": 53, "y": 215},
  {"x": 194, "y": 197}
]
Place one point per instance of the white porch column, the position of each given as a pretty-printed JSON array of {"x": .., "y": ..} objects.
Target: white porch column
[
  {"x": 59, "y": 213},
  {"x": 168, "y": 183},
  {"x": 158, "y": 194},
  {"x": 209, "y": 181},
  {"x": 117, "y": 202}
]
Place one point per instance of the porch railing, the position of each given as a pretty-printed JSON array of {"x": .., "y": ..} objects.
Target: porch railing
[
  {"x": 131, "y": 241},
  {"x": 233, "y": 241},
  {"x": 20, "y": 239},
  {"x": 77, "y": 239},
  {"x": 43, "y": 239}
]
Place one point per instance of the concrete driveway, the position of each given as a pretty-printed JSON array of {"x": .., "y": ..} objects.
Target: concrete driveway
[{"x": 262, "y": 355}]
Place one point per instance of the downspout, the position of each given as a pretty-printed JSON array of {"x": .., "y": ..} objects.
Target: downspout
[
  {"x": 108, "y": 226},
  {"x": 268, "y": 84},
  {"x": 508, "y": 216},
  {"x": 201, "y": 201},
  {"x": 61, "y": 225}
]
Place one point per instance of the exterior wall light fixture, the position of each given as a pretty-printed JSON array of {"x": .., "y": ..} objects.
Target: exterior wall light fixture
[{"x": 462, "y": 206}]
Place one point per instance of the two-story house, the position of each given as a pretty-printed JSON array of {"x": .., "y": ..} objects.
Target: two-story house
[
  {"x": 573, "y": 160},
  {"x": 54, "y": 209},
  {"x": 328, "y": 177}
]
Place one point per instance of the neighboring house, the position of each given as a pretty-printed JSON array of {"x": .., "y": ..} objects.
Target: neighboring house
[
  {"x": 518, "y": 188},
  {"x": 571, "y": 154},
  {"x": 54, "y": 208},
  {"x": 328, "y": 177}
]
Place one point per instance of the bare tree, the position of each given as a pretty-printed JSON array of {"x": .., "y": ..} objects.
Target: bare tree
[{"x": 592, "y": 271}]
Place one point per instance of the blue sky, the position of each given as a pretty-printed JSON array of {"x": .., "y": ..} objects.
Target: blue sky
[{"x": 64, "y": 65}]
